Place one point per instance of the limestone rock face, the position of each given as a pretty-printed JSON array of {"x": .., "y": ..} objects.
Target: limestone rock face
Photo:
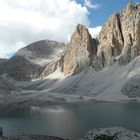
[
  {"x": 120, "y": 37},
  {"x": 80, "y": 51}
]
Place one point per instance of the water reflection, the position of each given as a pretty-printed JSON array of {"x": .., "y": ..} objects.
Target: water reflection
[
  {"x": 53, "y": 109},
  {"x": 57, "y": 118},
  {"x": 70, "y": 121}
]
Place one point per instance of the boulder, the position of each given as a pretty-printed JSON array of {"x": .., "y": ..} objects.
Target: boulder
[{"x": 114, "y": 133}]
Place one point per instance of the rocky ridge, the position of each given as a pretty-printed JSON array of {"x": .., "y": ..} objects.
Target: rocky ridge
[
  {"x": 120, "y": 37},
  {"x": 36, "y": 60}
]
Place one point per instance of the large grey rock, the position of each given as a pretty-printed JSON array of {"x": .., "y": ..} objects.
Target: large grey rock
[
  {"x": 132, "y": 87},
  {"x": 114, "y": 133}
]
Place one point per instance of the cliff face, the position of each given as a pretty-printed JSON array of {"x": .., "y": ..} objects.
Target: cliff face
[
  {"x": 120, "y": 38},
  {"x": 80, "y": 51}
]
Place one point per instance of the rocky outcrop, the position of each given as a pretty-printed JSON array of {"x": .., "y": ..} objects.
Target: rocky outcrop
[
  {"x": 120, "y": 37},
  {"x": 115, "y": 133},
  {"x": 80, "y": 51},
  {"x": 31, "y": 62},
  {"x": 132, "y": 87},
  {"x": 52, "y": 67}
]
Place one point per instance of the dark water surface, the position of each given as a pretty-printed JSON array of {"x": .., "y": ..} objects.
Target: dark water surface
[{"x": 70, "y": 121}]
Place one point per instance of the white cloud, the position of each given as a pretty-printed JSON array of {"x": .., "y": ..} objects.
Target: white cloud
[
  {"x": 25, "y": 21},
  {"x": 90, "y": 4},
  {"x": 95, "y": 31}
]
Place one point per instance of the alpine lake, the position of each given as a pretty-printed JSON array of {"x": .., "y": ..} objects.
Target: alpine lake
[{"x": 71, "y": 120}]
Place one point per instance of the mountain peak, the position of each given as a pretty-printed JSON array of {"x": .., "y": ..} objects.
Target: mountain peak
[
  {"x": 80, "y": 31},
  {"x": 130, "y": 2},
  {"x": 119, "y": 37},
  {"x": 81, "y": 28},
  {"x": 80, "y": 51}
]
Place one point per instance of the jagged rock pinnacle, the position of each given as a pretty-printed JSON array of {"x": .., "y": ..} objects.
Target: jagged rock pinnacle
[
  {"x": 80, "y": 51},
  {"x": 119, "y": 38},
  {"x": 130, "y": 2}
]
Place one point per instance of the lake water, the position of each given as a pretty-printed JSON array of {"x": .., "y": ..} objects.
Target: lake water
[{"x": 70, "y": 121}]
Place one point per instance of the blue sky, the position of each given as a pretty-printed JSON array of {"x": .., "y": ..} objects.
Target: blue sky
[
  {"x": 108, "y": 7},
  {"x": 26, "y": 21}
]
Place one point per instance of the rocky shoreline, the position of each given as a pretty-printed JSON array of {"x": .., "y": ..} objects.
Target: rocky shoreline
[{"x": 114, "y": 133}]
